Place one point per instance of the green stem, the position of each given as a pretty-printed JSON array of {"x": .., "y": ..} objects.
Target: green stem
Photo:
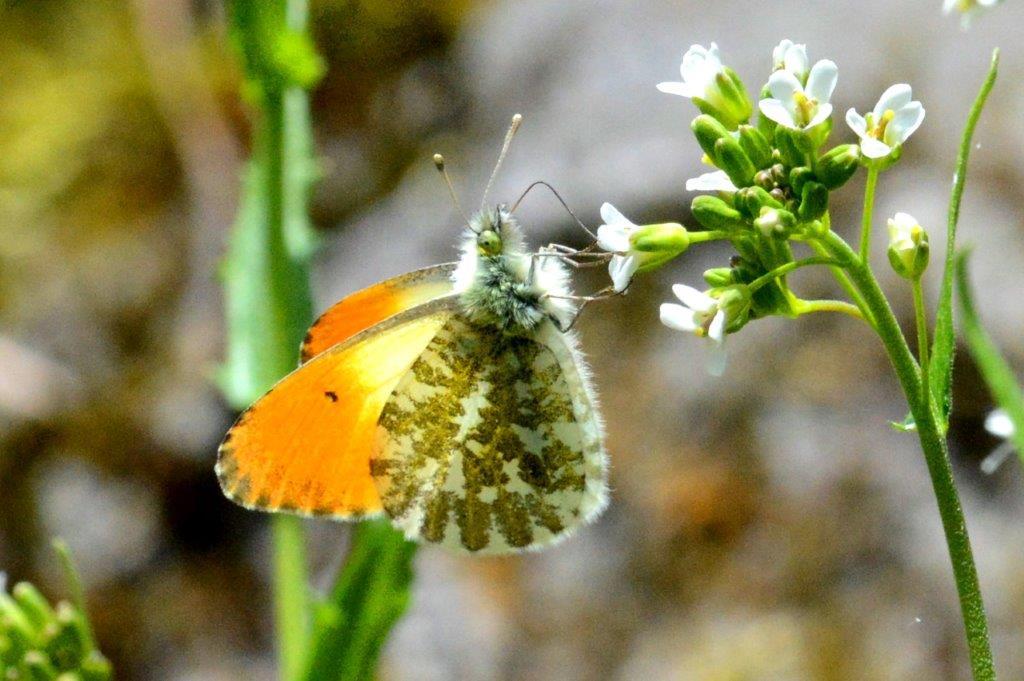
[
  {"x": 291, "y": 595},
  {"x": 844, "y": 281},
  {"x": 921, "y": 317},
  {"x": 709, "y": 235},
  {"x": 810, "y": 306},
  {"x": 936, "y": 454},
  {"x": 783, "y": 270},
  {"x": 869, "y": 208}
]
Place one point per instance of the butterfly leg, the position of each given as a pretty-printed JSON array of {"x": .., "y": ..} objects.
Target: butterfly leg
[{"x": 603, "y": 294}]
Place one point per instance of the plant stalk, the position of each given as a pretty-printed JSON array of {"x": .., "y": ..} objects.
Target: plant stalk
[{"x": 936, "y": 454}]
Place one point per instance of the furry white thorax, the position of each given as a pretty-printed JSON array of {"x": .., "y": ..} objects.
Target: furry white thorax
[{"x": 511, "y": 289}]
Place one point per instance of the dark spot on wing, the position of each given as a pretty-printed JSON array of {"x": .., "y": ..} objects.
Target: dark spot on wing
[{"x": 331, "y": 395}]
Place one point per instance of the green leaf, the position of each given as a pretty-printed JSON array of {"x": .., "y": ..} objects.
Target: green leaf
[
  {"x": 993, "y": 366},
  {"x": 371, "y": 593},
  {"x": 944, "y": 344}
]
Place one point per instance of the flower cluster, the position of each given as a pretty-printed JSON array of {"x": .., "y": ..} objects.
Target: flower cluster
[
  {"x": 768, "y": 189},
  {"x": 41, "y": 641}
]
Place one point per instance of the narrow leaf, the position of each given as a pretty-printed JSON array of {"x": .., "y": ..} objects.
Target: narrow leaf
[
  {"x": 944, "y": 345},
  {"x": 993, "y": 366}
]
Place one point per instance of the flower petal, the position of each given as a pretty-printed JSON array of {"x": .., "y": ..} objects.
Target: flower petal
[
  {"x": 613, "y": 238},
  {"x": 776, "y": 111},
  {"x": 717, "y": 359},
  {"x": 991, "y": 463},
  {"x": 716, "y": 330},
  {"x": 872, "y": 148},
  {"x": 621, "y": 269},
  {"x": 716, "y": 181},
  {"x": 796, "y": 60},
  {"x": 783, "y": 85},
  {"x": 822, "y": 80},
  {"x": 907, "y": 120},
  {"x": 681, "y": 89},
  {"x": 678, "y": 317},
  {"x": 999, "y": 424},
  {"x": 698, "y": 301},
  {"x": 895, "y": 97},
  {"x": 611, "y": 215},
  {"x": 820, "y": 116},
  {"x": 856, "y": 123}
]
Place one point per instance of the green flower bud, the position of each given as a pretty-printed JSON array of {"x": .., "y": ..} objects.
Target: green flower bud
[
  {"x": 813, "y": 201},
  {"x": 756, "y": 146},
  {"x": 836, "y": 167},
  {"x": 708, "y": 131},
  {"x": 33, "y": 604},
  {"x": 908, "y": 246},
  {"x": 750, "y": 200},
  {"x": 730, "y": 157},
  {"x": 798, "y": 177},
  {"x": 795, "y": 146},
  {"x": 775, "y": 222},
  {"x": 726, "y": 99},
  {"x": 714, "y": 213},
  {"x": 718, "y": 277},
  {"x": 658, "y": 244}
]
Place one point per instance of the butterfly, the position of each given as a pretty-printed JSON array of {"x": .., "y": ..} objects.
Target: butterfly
[{"x": 453, "y": 399}]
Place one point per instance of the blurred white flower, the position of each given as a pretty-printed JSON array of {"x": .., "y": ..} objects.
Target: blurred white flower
[
  {"x": 998, "y": 423},
  {"x": 894, "y": 119},
  {"x": 796, "y": 105},
  {"x": 699, "y": 69},
  {"x": 717, "y": 181},
  {"x": 791, "y": 57},
  {"x": 701, "y": 315},
  {"x": 967, "y": 8}
]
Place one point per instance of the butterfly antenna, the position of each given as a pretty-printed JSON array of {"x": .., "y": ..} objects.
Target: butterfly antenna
[
  {"x": 542, "y": 183},
  {"x": 439, "y": 164},
  {"x": 516, "y": 120}
]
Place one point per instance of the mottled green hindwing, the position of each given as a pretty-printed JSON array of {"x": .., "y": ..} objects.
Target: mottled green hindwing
[{"x": 491, "y": 442}]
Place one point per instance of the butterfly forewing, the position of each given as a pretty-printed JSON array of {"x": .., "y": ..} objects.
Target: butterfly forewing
[
  {"x": 373, "y": 304},
  {"x": 490, "y": 442},
  {"x": 305, "y": 446}
]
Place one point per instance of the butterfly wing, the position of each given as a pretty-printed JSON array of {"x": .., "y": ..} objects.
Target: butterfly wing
[
  {"x": 491, "y": 443},
  {"x": 367, "y": 307},
  {"x": 304, "y": 446}
]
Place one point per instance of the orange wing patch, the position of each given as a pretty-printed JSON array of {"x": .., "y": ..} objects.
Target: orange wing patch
[
  {"x": 304, "y": 447},
  {"x": 367, "y": 307}
]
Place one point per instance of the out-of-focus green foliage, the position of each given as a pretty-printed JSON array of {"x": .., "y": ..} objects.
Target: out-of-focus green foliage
[
  {"x": 994, "y": 368},
  {"x": 41, "y": 641}
]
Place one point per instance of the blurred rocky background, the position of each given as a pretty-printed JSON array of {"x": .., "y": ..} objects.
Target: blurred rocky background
[{"x": 768, "y": 525}]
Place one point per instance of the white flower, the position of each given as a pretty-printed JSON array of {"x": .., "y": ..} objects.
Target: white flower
[
  {"x": 791, "y": 57},
  {"x": 701, "y": 315},
  {"x": 894, "y": 119},
  {"x": 637, "y": 248},
  {"x": 699, "y": 70},
  {"x": 796, "y": 105},
  {"x": 998, "y": 423},
  {"x": 613, "y": 236},
  {"x": 908, "y": 246},
  {"x": 717, "y": 181},
  {"x": 967, "y": 8}
]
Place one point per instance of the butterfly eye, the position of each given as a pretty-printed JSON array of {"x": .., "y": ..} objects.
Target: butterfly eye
[{"x": 489, "y": 242}]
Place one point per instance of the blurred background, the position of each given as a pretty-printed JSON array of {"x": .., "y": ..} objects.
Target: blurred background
[{"x": 765, "y": 525}]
